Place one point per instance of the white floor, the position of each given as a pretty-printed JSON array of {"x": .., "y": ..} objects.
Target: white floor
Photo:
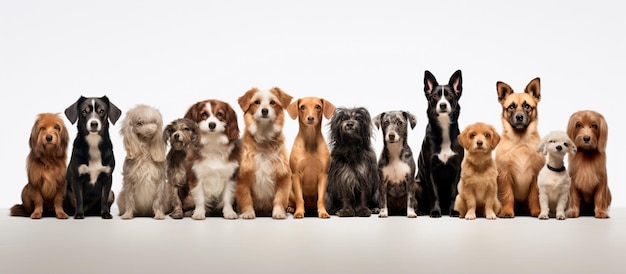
[{"x": 311, "y": 245}]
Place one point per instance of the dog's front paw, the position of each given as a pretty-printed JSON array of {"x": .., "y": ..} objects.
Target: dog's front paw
[
  {"x": 36, "y": 215},
  {"x": 573, "y": 213},
  {"x": 278, "y": 213},
  {"x": 248, "y": 215},
  {"x": 435, "y": 214},
  {"x": 345, "y": 212},
  {"x": 128, "y": 215},
  {"x": 543, "y": 216},
  {"x": 601, "y": 214},
  {"x": 491, "y": 216},
  {"x": 61, "y": 215},
  {"x": 79, "y": 216},
  {"x": 177, "y": 214},
  {"x": 230, "y": 215},
  {"x": 506, "y": 214},
  {"x": 383, "y": 213},
  {"x": 159, "y": 215},
  {"x": 198, "y": 215},
  {"x": 364, "y": 212},
  {"x": 560, "y": 216},
  {"x": 470, "y": 216},
  {"x": 106, "y": 215},
  {"x": 323, "y": 214}
]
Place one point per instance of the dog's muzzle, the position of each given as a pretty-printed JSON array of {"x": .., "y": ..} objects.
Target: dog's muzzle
[
  {"x": 519, "y": 121},
  {"x": 93, "y": 125}
]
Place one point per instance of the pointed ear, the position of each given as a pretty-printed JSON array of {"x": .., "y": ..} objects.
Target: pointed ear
[
  {"x": 328, "y": 108},
  {"x": 411, "y": 118},
  {"x": 504, "y": 90},
  {"x": 285, "y": 99},
  {"x": 456, "y": 83},
  {"x": 114, "y": 111},
  {"x": 244, "y": 100},
  {"x": 71, "y": 112},
  {"x": 378, "y": 120},
  {"x": 534, "y": 88},
  {"x": 429, "y": 82},
  {"x": 292, "y": 109}
]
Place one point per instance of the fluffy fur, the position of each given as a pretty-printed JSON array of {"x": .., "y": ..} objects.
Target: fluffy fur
[
  {"x": 310, "y": 158},
  {"x": 589, "y": 193},
  {"x": 143, "y": 173},
  {"x": 478, "y": 185},
  {"x": 264, "y": 180},
  {"x": 45, "y": 166},
  {"x": 353, "y": 178},
  {"x": 439, "y": 162},
  {"x": 213, "y": 165},
  {"x": 516, "y": 156},
  {"x": 396, "y": 165},
  {"x": 183, "y": 135},
  {"x": 553, "y": 181}
]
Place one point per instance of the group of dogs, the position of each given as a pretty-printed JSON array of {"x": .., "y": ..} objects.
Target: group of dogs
[{"x": 213, "y": 170}]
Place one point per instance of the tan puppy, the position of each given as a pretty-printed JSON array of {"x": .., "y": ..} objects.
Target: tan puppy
[
  {"x": 478, "y": 184},
  {"x": 517, "y": 159},
  {"x": 589, "y": 193},
  {"x": 310, "y": 157},
  {"x": 264, "y": 179}
]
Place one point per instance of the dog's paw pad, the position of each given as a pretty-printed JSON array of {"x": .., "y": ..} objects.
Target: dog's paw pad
[
  {"x": 323, "y": 215},
  {"x": 62, "y": 215},
  {"x": 248, "y": 215},
  {"x": 197, "y": 216},
  {"x": 230, "y": 215},
  {"x": 36, "y": 215},
  {"x": 543, "y": 216},
  {"x": 491, "y": 216},
  {"x": 560, "y": 216},
  {"x": 107, "y": 215},
  {"x": 79, "y": 216},
  {"x": 470, "y": 216}
]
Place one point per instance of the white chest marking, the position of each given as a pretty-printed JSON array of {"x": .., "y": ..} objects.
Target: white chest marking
[
  {"x": 446, "y": 145},
  {"x": 95, "y": 167}
]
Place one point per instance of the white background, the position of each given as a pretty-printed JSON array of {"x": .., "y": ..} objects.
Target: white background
[{"x": 170, "y": 54}]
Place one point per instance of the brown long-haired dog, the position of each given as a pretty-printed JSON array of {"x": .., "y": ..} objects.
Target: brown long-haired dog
[
  {"x": 478, "y": 184},
  {"x": 46, "y": 166},
  {"x": 517, "y": 158},
  {"x": 310, "y": 157},
  {"x": 264, "y": 179},
  {"x": 589, "y": 193}
]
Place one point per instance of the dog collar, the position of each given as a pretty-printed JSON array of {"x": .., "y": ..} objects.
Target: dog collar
[{"x": 560, "y": 169}]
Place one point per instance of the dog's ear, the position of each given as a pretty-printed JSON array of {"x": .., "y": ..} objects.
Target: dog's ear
[
  {"x": 463, "y": 138},
  {"x": 232, "y": 128},
  {"x": 378, "y": 120},
  {"x": 244, "y": 100},
  {"x": 603, "y": 132},
  {"x": 283, "y": 97},
  {"x": 114, "y": 111},
  {"x": 166, "y": 134},
  {"x": 71, "y": 112},
  {"x": 495, "y": 137},
  {"x": 504, "y": 90},
  {"x": 34, "y": 138},
  {"x": 292, "y": 109},
  {"x": 572, "y": 147},
  {"x": 130, "y": 140},
  {"x": 456, "y": 83},
  {"x": 158, "y": 148},
  {"x": 195, "y": 133},
  {"x": 542, "y": 147},
  {"x": 411, "y": 118},
  {"x": 534, "y": 88},
  {"x": 328, "y": 108},
  {"x": 64, "y": 136},
  {"x": 429, "y": 82}
]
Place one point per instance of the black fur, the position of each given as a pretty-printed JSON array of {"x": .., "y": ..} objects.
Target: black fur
[
  {"x": 352, "y": 178},
  {"x": 84, "y": 197},
  {"x": 438, "y": 179}
]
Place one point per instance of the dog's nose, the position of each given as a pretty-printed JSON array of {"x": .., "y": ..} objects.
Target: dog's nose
[
  {"x": 559, "y": 148},
  {"x": 586, "y": 139},
  {"x": 176, "y": 136},
  {"x": 264, "y": 112},
  {"x": 310, "y": 118},
  {"x": 94, "y": 124},
  {"x": 479, "y": 143},
  {"x": 212, "y": 125},
  {"x": 443, "y": 106},
  {"x": 392, "y": 136},
  {"x": 48, "y": 138},
  {"x": 519, "y": 117},
  {"x": 350, "y": 125}
]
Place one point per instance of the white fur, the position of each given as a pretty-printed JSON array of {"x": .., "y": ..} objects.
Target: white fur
[
  {"x": 95, "y": 166},
  {"x": 554, "y": 187},
  {"x": 446, "y": 144}
]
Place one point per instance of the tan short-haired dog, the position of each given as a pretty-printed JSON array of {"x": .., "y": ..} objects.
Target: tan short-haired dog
[
  {"x": 478, "y": 184},
  {"x": 310, "y": 157}
]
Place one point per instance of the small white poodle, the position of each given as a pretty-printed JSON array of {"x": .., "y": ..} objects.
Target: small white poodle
[{"x": 553, "y": 180}]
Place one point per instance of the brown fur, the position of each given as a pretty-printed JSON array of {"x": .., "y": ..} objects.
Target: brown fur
[
  {"x": 310, "y": 157},
  {"x": 267, "y": 144},
  {"x": 478, "y": 184},
  {"x": 46, "y": 166},
  {"x": 587, "y": 167},
  {"x": 517, "y": 160}
]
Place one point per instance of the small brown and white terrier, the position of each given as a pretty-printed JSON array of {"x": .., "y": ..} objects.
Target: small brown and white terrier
[
  {"x": 45, "y": 166},
  {"x": 264, "y": 179},
  {"x": 310, "y": 158}
]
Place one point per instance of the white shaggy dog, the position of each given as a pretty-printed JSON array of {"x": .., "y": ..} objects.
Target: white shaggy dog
[
  {"x": 144, "y": 170},
  {"x": 553, "y": 181}
]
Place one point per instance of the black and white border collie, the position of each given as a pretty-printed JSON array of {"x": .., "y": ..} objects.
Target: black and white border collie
[{"x": 439, "y": 163}]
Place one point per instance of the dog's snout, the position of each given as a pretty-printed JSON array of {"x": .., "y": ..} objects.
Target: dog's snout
[
  {"x": 443, "y": 106},
  {"x": 479, "y": 143},
  {"x": 559, "y": 148},
  {"x": 350, "y": 125},
  {"x": 48, "y": 138},
  {"x": 93, "y": 124},
  {"x": 586, "y": 139},
  {"x": 264, "y": 111},
  {"x": 392, "y": 136},
  {"x": 212, "y": 125},
  {"x": 176, "y": 136},
  {"x": 519, "y": 117},
  {"x": 310, "y": 118}
]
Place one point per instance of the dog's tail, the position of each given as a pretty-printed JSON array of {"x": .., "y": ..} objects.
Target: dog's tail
[{"x": 19, "y": 210}]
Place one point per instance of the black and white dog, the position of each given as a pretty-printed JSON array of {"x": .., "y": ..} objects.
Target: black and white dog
[
  {"x": 92, "y": 162},
  {"x": 439, "y": 163},
  {"x": 352, "y": 177},
  {"x": 396, "y": 165}
]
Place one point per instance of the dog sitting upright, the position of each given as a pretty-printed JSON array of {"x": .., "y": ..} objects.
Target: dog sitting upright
[
  {"x": 553, "y": 181},
  {"x": 396, "y": 166},
  {"x": 439, "y": 163},
  {"x": 89, "y": 173}
]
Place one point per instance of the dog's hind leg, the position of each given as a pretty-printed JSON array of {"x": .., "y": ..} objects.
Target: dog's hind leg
[
  {"x": 106, "y": 198},
  {"x": 561, "y": 204},
  {"x": 533, "y": 199},
  {"x": 321, "y": 191},
  {"x": 58, "y": 206},
  {"x": 506, "y": 196}
]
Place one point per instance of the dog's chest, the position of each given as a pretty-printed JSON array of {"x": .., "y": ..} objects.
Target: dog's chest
[
  {"x": 446, "y": 151},
  {"x": 214, "y": 170},
  {"x": 266, "y": 164},
  {"x": 94, "y": 167},
  {"x": 396, "y": 170}
]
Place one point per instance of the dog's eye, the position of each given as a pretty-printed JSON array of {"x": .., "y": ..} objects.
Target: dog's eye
[
  {"x": 302, "y": 107},
  {"x": 204, "y": 115},
  {"x": 579, "y": 125},
  {"x": 139, "y": 123},
  {"x": 594, "y": 126},
  {"x": 566, "y": 144},
  {"x": 257, "y": 102},
  {"x": 220, "y": 114},
  {"x": 399, "y": 123},
  {"x": 512, "y": 107},
  {"x": 488, "y": 135},
  {"x": 186, "y": 129},
  {"x": 526, "y": 106},
  {"x": 472, "y": 135},
  {"x": 385, "y": 123},
  {"x": 101, "y": 112},
  {"x": 272, "y": 102},
  {"x": 57, "y": 127},
  {"x": 318, "y": 107}
]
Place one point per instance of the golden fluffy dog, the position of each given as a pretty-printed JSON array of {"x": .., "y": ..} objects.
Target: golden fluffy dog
[
  {"x": 46, "y": 166},
  {"x": 589, "y": 193},
  {"x": 310, "y": 157},
  {"x": 517, "y": 158},
  {"x": 478, "y": 184},
  {"x": 264, "y": 178}
]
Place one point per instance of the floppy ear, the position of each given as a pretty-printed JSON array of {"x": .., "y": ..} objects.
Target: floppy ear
[
  {"x": 378, "y": 120},
  {"x": 504, "y": 90},
  {"x": 283, "y": 97},
  {"x": 131, "y": 142},
  {"x": 328, "y": 108},
  {"x": 195, "y": 133},
  {"x": 65, "y": 139},
  {"x": 232, "y": 128},
  {"x": 411, "y": 118},
  {"x": 495, "y": 138},
  {"x": 244, "y": 100},
  {"x": 571, "y": 125},
  {"x": 572, "y": 146},
  {"x": 542, "y": 146},
  {"x": 456, "y": 82},
  {"x": 292, "y": 109},
  {"x": 34, "y": 139},
  {"x": 158, "y": 147},
  {"x": 71, "y": 112},
  {"x": 429, "y": 82},
  {"x": 463, "y": 139},
  {"x": 114, "y": 111},
  {"x": 534, "y": 88},
  {"x": 165, "y": 133},
  {"x": 603, "y": 133}
]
